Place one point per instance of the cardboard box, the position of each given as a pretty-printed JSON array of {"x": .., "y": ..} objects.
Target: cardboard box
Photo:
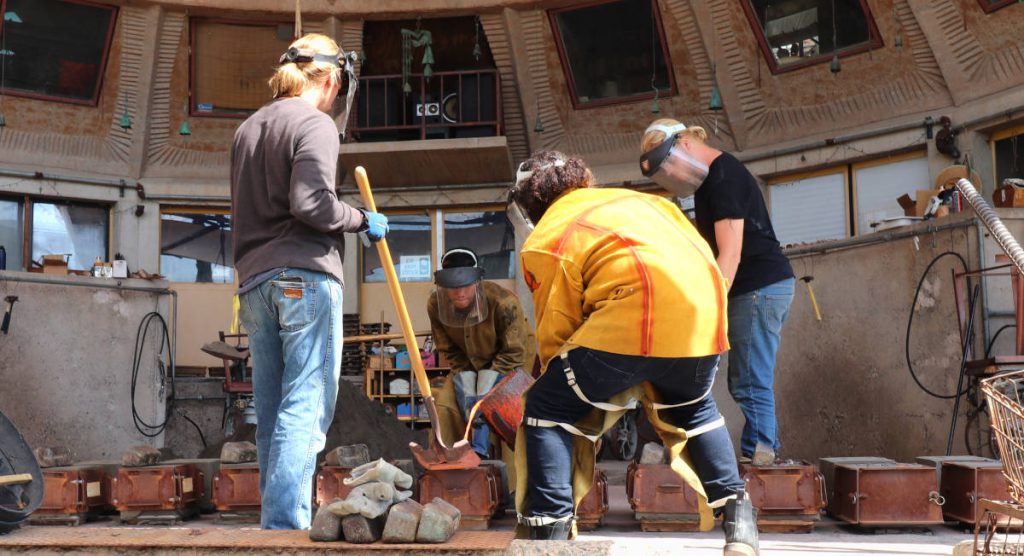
[
  {"x": 918, "y": 205},
  {"x": 1008, "y": 196},
  {"x": 55, "y": 264},
  {"x": 379, "y": 362}
]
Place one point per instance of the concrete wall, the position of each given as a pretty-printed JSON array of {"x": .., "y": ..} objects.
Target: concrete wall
[{"x": 66, "y": 362}]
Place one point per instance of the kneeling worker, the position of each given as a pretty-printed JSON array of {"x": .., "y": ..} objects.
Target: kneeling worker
[
  {"x": 482, "y": 330},
  {"x": 626, "y": 294}
]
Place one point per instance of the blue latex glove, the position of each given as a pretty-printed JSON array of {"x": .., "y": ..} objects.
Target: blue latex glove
[{"x": 376, "y": 225}]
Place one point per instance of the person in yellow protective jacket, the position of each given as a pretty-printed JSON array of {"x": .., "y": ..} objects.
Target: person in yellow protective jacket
[
  {"x": 482, "y": 330},
  {"x": 626, "y": 293}
]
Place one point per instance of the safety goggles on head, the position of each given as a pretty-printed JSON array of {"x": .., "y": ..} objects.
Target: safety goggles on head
[
  {"x": 344, "y": 60},
  {"x": 460, "y": 296},
  {"x": 516, "y": 214},
  {"x": 670, "y": 166}
]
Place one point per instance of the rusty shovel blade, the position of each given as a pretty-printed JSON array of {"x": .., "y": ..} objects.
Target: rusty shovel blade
[{"x": 459, "y": 456}]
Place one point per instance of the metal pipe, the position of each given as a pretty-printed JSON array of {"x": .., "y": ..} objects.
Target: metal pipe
[
  {"x": 414, "y": 188},
  {"x": 104, "y": 182},
  {"x": 985, "y": 316},
  {"x": 831, "y": 142},
  {"x": 988, "y": 216},
  {"x": 33, "y": 280},
  {"x": 878, "y": 237},
  {"x": 191, "y": 198}
]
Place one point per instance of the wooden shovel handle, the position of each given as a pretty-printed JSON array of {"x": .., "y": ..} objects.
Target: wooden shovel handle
[
  {"x": 396, "y": 291},
  {"x": 19, "y": 479}
]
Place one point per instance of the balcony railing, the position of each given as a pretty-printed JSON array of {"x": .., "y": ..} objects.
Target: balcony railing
[{"x": 447, "y": 105}]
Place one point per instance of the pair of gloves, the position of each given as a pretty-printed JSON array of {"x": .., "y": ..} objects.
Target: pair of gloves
[{"x": 375, "y": 225}]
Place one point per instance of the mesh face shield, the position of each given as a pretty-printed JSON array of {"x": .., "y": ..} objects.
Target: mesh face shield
[
  {"x": 460, "y": 296},
  {"x": 671, "y": 167}
]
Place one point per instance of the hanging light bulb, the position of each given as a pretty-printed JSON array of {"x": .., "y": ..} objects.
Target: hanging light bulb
[{"x": 835, "y": 67}]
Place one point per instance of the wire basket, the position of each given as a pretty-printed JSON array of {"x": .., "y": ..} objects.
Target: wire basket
[{"x": 1005, "y": 395}]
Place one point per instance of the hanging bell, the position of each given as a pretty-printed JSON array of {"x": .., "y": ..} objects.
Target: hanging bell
[
  {"x": 898, "y": 43},
  {"x": 428, "y": 56},
  {"x": 477, "y": 52},
  {"x": 184, "y": 129},
  {"x": 835, "y": 66},
  {"x": 655, "y": 108},
  {"x": 3, "y": 121},
  {"x": 362, "y": 57},
  {"x": 716, "y": 98},
  {"x": 538, "y": 127},
  {"x": 126, "y": 121},
  {"x": 428, "y": 71},
  {"x": 406, "y": 88}
]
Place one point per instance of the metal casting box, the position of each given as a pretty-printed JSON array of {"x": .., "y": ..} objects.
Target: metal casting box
[
  {"x": 789, "y": 497},
  {"x": 168, "y": 487},
  {"x": 965, "y": 483},
  {"x": 590, "y": 513},
  {"x": 938, "y": 461},
  {"x": 236, "y": 488},
  {"x": 73, "y": 494},
  {"x": 889, "y": 494},
  {"x": 661, "y": 499},
  {"x": 827, "y": 467},
  {"x": 330, "y": 484},
  {"x": 476, "y": 492}
]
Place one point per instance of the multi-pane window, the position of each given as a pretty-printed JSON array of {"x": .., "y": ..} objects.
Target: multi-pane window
[
  {"x": 55, "y": 48},
  {"x": 231, "y": 64},
  {"x": 488, "y": 234},
  {"x": 1009, "y": 155},
  {"x": 195, "y": 246},
  {"x": 796, "y": 33},
  {"x": 613, "y": 52},
  {"x": 409, "y": 241},
  {"x": 79, "y": 230}
]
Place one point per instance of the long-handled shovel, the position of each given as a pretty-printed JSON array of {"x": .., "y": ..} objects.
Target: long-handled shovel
[{"x": 460, "y": 455}]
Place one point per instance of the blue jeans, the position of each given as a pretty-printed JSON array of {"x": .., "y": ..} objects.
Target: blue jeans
[
  {"x": 295, "y": 339},
  {"x": 600, "y": 375},
  {"x": 481, "y": 441},
  {"x": 755, "y": 325}
]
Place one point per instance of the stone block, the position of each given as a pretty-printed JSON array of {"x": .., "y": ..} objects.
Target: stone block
[
  {"x": 348, "y": 456},
  {"x": 653, "y": 454},
  {"x": 140, "y": 456},
  {"x": 238, "y": 452},
  {"x": 326, "y": 525},
  {"x": 438, "y": 522},
  {"x": 402, "y": 522},
  {"x": 53, "y": 456},
  {"x": 362, "y": 530}
]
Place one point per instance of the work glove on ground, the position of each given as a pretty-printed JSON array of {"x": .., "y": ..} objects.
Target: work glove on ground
[{"x": 376, "y": 225}]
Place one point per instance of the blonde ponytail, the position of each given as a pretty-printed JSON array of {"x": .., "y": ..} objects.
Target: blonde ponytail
[
  {"x": 292, "y": 78},
  {"x": 654, "y": 137}
]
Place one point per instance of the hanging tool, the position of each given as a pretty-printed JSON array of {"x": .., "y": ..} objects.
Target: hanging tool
[
  {"x": 10, "y": 300},
  {"x": 460, "y": 455},
  {"x": 814, "y": 300}
]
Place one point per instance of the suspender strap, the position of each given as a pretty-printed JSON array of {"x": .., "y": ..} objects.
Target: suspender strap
[
  {"x": 683, "y": 404},
  {"x": 570, "y": 377},
  {"x": 716, "y": 424},
  {"x": 539, "y": 520},
  {"x": 545, "y": 423}
]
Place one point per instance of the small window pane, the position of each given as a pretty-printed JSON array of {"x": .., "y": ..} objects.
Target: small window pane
[
  {"x": 12, "y": 224},
  {"x": 409, "y": 242},
  {"x": 797, "y": 30},
  {"x": 233, "y": 63},
  {"x": 54, "y": 48},
  {"x": 879, "y": 186},
  {"x": 809, "y": 210},
  {"x": 196, "y": 248},
  {"x": 489, "y": 235},
  {"x": 66, "y": 229},
  {"x": 613, "y": 50},
  {"x": 1009, "y": 158}
]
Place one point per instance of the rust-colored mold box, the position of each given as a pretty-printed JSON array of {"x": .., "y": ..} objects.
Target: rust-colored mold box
[
  {"x": 886, "y": 494},
  {"x": 590, "y": 513},
  {"x": 330, "y": 484},
  {"x": 236, "y": 487},
  {"x": 965, "y": 483},
  {"x": 74, "y": 490},
  {"x": 661, "y": 499},
  {"x": 166, "y": 487},
  {"x": 475, "y": 492},
  {"x": 794, "y": 490}
]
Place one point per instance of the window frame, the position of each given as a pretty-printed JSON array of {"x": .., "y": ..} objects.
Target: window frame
[
  {"x": 874, "y": 42},
  {"x": 102, "y": 69},
  {"x": 893, "y": 158},
  {"x": 27, "y": 202},
  {"x": 999, "y": 135},
  {"x": 192, "y": 112},
  {"x": 462, "y": 209},
  {"x": 191, "y": 209},
  {"x": 989, "y": 8},
  {"x": 843, "y": 169},
  {"x": 600, "y": 103},
  {"x": 431, "y": 214}
]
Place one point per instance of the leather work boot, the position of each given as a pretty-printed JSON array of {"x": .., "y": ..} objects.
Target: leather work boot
[
  {"x": 740, "y": 525},
  {"x": 557, "y": 531}
]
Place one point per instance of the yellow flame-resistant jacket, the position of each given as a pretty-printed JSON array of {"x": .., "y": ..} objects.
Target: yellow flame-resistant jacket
[{"x": 623, "y": 272}]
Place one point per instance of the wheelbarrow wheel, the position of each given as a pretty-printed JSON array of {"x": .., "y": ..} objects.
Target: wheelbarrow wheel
[{"x": 17, "y": 502}]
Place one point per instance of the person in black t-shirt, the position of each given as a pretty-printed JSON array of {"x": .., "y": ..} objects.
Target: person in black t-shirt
[{"x": 732, "y": 217}]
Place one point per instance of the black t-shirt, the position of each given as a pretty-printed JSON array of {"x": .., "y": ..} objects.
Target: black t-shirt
[{"x": 731, "y": 192}]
